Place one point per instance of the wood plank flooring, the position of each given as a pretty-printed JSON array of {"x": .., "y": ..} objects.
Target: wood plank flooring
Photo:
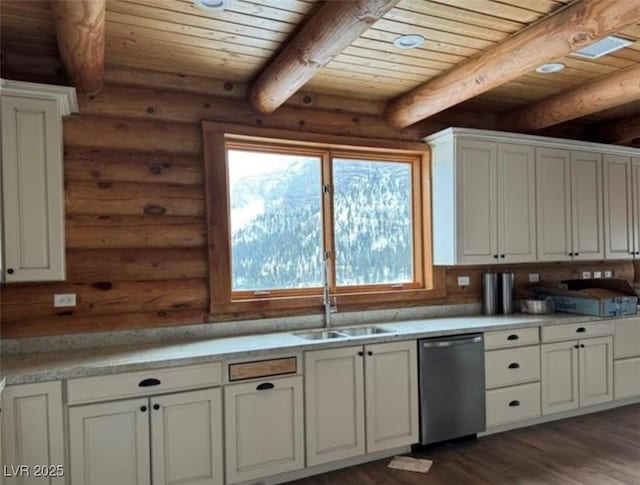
[{"x": 597, "y": 449}]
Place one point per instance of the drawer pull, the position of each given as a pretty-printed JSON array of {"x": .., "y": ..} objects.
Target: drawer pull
[
  {"x": 264, "y": 386},
  {"x": 514, "y": 404},
  {"x": 514, "y": 365},
  {"x": 581, "y": 330},
  {"x": 513, "y": 337},
  {"x": 149, "y": 382}
]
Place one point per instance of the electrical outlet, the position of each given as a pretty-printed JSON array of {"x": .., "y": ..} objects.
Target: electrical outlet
[
  {"x": 65, "y": 299},
  {"x": 608, "y": 274},
  {"x": 597, "y": 274},
  {"x": 586, "y": 275},
  {"x": 534, "y": 277},
  {"x": 464, "y": 281}
]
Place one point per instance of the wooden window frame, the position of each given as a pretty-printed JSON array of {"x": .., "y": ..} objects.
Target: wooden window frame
[{"x": 218, "y": 137}]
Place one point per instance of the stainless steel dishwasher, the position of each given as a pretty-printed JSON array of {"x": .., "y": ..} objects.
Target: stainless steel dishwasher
[{"x": 452, "y": 389}]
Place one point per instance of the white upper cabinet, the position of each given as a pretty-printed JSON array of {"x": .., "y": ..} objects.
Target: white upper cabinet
[
  {"x": 553, "y": 186},
  {"x": 618, "y": 207},
  {"x": 635, "y": 171},
  {"x": 516, "y": 203},
  {"x": 32, "y": 180},
  {"x": 586, "y": 205}
]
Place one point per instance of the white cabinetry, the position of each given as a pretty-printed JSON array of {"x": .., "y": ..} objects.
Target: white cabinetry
[
  {"x": 32, "y": 180},
  {"x": 576, "y": 373},
  {"x": 618, "y": 209},
  {"x": 264, "y": 428},
  {"x": 32, "y": 430},
  {"x": 626, "y": 367},
  {"x": 336, "y": 392},
  {"x": 635, "y": 173},
  {"x": 483, "y": 201}
]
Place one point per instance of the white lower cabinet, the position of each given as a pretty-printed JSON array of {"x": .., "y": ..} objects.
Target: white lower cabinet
[
  {"x": 576, "y": 373},
  {"x": 116, "y": 442},
  {"x": 513, "y": 404},
  {"x": 32, "y": 432},
  {"x": 338, "y": 383},
  {"x": 626, "y": 367},
  {"x": 264, "y": 428}
]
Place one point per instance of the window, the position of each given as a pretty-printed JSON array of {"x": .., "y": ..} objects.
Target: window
[{"x": 287, "y": 217}]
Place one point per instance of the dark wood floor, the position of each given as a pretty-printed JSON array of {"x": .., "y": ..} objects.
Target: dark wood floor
[{"x": 597, "y": 449}]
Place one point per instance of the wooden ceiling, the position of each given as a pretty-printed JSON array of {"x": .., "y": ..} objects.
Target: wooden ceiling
[{"x": 236, "y": 44}]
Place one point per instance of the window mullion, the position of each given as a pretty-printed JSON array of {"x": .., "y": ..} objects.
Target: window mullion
[{"x": 327, "y": 218}]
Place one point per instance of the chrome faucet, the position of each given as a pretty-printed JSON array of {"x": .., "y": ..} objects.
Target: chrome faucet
[{"x": 326, "y": 297}]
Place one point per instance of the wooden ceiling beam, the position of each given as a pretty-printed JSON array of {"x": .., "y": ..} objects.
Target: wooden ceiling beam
[
  {"x": 603, "y": 93},
  {"x": 575, "y": 26},
  {"x": 622, "y": 132},
  {"x": 325, "y": 35},
  {"x": 80, "y": 26}
]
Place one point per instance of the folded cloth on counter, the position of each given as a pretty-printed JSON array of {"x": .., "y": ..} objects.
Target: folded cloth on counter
[{"x": 407, "y": 463}]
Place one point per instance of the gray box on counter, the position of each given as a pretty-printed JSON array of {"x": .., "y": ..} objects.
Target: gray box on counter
[{"x": 597, "y": 297}]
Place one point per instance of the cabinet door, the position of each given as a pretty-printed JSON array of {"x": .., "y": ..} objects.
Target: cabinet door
[
  {"x": 627, "y": 338},
  {"x": 636, "y": 205},
  {"x": 186, "y": 438},
  {"x": 334, "y": 400},
  {"x": 391, "y": 395},
  {"x": 264, "y": 428},
  {"x": 476, "y": 200},
  {"x": 109, "y": 443},
  {"x": 618, "y": 208},
  {"x": 626, "y": 378},
  {"x": 559, "y": 377},
  {"x": 516, "y": 204},
  {"x": 596, "y": 370},
  {"x": 32, "y": 430},
  {"x": 553, "y": 205},
  {"x": 32, "y": 186},
  {"x": 586, "y": 205}
]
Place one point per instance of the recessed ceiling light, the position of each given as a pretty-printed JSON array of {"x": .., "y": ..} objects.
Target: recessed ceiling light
[
  {"x": 602, "y": 47},
  {"x": 211, "y": 4},
  {"x": 549, "y": 68},
  {"x": 409, "y": 41}
]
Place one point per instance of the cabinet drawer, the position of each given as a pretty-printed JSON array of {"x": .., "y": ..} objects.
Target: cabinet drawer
[
  {"x": 262, "y": 368},
  {"x": 512, "y": 366},
  {"x": 626, "y": 381},
  {"x": 572, "y": 331},
  {"x": 130, "y": 384},
  {"x": 627, "y": 339},
  {"x": 511, "y": 338},
  {"x": 512, "y": 404}
]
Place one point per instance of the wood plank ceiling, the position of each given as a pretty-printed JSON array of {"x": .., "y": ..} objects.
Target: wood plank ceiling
[{"x": 235, "y": 45}]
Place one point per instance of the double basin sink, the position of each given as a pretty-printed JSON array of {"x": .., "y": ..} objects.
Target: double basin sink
[{"x": 366, "y": 331}]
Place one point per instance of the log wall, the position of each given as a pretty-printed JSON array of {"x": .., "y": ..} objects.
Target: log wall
[{"x": 136, "y": 239}]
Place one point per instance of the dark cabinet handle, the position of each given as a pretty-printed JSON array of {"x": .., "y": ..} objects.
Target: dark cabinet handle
[
  {"x": 502, "y": 256},
  {"x": 361, "y": 353},
  {"x": 143, "y": 409},
  {"x": 369, "y": 353},
  {"x": 576, "y": 346},
  {"x": 513, "y": 337},
  {"x": 149, "y": 382},
  {"x": 577, "y": 254},
  {"x": 264, "y": 386},
  {"x": 514, "y": 404},
  {"x": 514, "y": 365},
  {"x": 156, "y": 406},
  {"x": 10, "y": 270},
  {"x": 495, "y": 256},
  {"x": 570, "y": 254},
  {"x": 581, "y": 330},
  {"x": 582, "y": 346}
]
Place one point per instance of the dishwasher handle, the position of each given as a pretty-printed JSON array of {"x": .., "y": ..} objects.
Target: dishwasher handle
[{"x": 450, "y": 342}]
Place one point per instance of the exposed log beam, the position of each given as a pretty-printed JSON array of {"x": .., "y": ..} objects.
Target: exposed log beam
[
  {"x": 604, "y": 93},
  {"x": 333, "y": 28},
  {"x": 623, "y": 132},
  {"x": 80, "y": 31},
  {"x": 577, "y": 25}
]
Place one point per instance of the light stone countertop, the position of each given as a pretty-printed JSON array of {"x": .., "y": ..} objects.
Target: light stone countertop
[{"x": 48, "y": 366}]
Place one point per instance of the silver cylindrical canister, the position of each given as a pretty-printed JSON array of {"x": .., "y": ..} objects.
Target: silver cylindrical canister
[
  {"x": 506, "y": 292},
  {"x": 490, "y": 293}
]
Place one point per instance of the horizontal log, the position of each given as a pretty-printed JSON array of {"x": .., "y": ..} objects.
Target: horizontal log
[
  {"x": 128, "y": 166},
  {"x": 126, "y": 134},
  {"x": 92, "y": 265},
  {"x": 141, "y": 103},
  {"x": 151, "y": 236},
  {"x": 623, "y": 132},
  {"x": 126, "y": 198},
  {"x": 131, "y": 221},
  {"x": 103, "y": 298}
]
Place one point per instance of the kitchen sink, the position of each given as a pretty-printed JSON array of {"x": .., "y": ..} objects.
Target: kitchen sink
[
  {"x": 362, "y": 331},
  {"x": 320, "y": 335}
]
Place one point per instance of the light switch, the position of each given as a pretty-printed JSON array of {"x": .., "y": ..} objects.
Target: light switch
[
  {"x": 534, "y": 277},
  {"x": 464, "y": 281},
  {"x": 586, "y": 275},
  {"x": 597, "y": 274},
  {"x": 64, "y": 299}
]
